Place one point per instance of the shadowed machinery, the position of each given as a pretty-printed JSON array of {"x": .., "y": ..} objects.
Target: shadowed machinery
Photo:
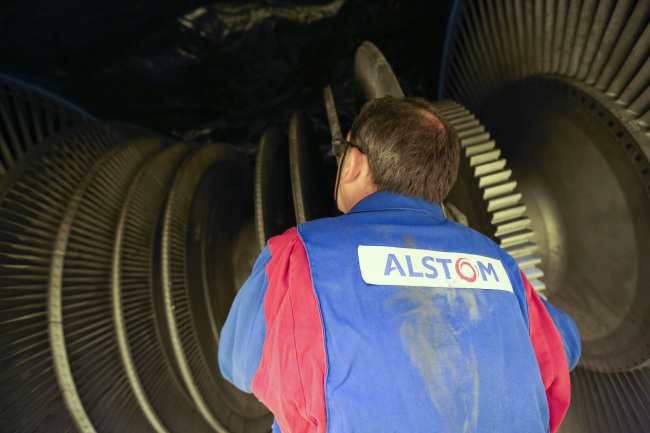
[{"x": 122, "y": 247}]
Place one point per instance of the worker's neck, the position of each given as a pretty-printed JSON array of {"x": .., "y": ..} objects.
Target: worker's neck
[
  {"x": 355, "y": 181},
  {"x": 349, "y": 200}
]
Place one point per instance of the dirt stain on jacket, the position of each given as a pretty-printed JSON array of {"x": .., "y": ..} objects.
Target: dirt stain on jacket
[{"x": 433, "y": 343}]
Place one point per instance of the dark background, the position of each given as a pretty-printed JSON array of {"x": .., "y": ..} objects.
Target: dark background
[{"x": 216, "y": 71}]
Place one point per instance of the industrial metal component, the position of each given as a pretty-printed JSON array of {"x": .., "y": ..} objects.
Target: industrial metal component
[
  {"x": 563, "y": 87},
  {"x": 121, "y": 252},
  {"x": 79, "y": 293},
  {"x": 29, "y": 115},
  {"x": 373, "y": 75},
  {"x": 580, "y": 185},
  {"x": 208, "y": 249},
  {"x": 120, "y": 259},
  {"x": 136, "y": 300},
  {"x": 45, "y": 327},
  {"x": 332, "y": 115},
  {"x": 313, "y": 189},
  {"x": 486, "y": 193},
  {"x": 274, "y": 209}
]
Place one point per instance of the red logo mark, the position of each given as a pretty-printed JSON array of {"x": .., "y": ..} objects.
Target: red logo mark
[{"x": 460, "y": 264}]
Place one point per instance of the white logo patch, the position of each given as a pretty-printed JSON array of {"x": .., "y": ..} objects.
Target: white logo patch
[{"x": 393, "y": 266}]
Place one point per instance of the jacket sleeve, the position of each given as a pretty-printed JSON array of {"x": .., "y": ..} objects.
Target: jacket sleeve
[
  {"x": 556, "y": 342},
  {"x": 290, "y": 378},
  {"x": 272, "y": 343},
  {"x": 242, "y": 336},
  {"x": 568, "y": 332}
]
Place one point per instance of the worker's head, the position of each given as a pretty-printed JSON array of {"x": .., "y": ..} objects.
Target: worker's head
[{"x": 402, "y": 145}]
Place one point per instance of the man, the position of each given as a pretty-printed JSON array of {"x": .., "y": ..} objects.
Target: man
[{"x": 391, "y": 318}]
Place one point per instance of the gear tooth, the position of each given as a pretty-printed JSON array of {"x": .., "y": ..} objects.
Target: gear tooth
[
  {"x": 533, "y": 274},
  {"x": 529, "y": 261},
  {"x": 538, "y": 285},
  {"x": 477, "y": 131},
  {"x": 494, "y": 178},
  {"x": 518, "y": 237},
  {"x": 520, "y": 250},
  {"x": 489, "y": 168},
  {"x": 644, "y": 121},
  {"x": 459, "y": 117},
  {"x": 484, "y": 158},
  {"x": 452, "y": 110},
  {"x": 508, "y": 213},
  {"x": 479, "y": 148},
  {"x": 472, "y": 140},
  {"x": 457, "y": 113},
  {"x": 503, "y": 201},
  {"x": 512, "y": 225},
  {"x": 499, "y": 189},
  {"x": 448, "y": 105},
  {"x": 472, "y": 123}
]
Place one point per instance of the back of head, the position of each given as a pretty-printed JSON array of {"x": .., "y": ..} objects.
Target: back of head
[{"x": 411, "y": 148}]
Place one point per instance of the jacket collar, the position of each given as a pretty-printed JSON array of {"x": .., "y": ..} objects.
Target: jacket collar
[{"x": 384, "y": 200}]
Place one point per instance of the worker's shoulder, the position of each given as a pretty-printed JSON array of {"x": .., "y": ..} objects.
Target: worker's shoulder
[
  {"x": 295, "y": 234},
  {"x": 286, "y": 239},
  {"x": 324, "y": 224}
]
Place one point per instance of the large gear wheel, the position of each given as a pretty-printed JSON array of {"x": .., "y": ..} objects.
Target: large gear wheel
[
  {"x": 487, "y": 194},
  {"x": 564, "y": 89}
]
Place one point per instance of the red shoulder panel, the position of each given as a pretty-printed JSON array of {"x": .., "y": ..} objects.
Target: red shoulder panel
[
  {"x": 290, "y": 380},
  {"x": 549, "y": 351}
]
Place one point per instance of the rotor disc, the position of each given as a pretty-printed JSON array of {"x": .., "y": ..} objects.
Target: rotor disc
[
  {"x": 274, "y": 211},
  {"x": 28, "y": 116},
  {"x": 136, "y": 298},
  {"x": 35, "y": 197},
  {"x": 208, "y": 249},
  {"x": 313, "y": 190},
  {"x": 80, "y": 283}
]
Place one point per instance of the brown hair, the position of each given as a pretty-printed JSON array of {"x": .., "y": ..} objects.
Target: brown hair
[{"x": 411, "y": 148}]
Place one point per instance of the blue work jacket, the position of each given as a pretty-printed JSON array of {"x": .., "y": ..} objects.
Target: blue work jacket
[{"x": 391, "y": 318}]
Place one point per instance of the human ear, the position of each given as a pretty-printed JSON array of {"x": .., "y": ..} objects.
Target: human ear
[{"x": 352, "y": 165}]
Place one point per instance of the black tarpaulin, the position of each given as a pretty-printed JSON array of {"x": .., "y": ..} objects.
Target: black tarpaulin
[{"x": 220, "y": 71}]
